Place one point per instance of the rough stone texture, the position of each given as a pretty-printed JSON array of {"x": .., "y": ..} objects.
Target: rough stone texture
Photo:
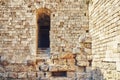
[
  {"x": 72, "y": 24},
  {"x": 104, "y": 22},
  {"x": 22, "y": 75},
  {"x": 19, "y": 58},
  {"x": 13, "y": 75}
]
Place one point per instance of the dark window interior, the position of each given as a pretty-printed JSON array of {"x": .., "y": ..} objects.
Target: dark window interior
[
  {"x": 59, "y": 74},
  {"x": 43, "y": 32}
]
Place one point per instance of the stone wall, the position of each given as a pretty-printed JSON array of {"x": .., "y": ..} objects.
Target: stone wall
[
  {"x": 17, "y": 31},
  {"x": 104, "y": 22},
  {"x": 69, "y": 22},
  {"x": 70, "y": 42}
]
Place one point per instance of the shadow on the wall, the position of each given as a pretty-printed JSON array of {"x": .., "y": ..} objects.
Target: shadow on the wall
[{"x": 96, "y": 74}]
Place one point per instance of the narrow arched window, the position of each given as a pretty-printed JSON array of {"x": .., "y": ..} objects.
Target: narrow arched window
[
  {"x": 43, "y": 32},
  {"x": 43, "y": 22}
]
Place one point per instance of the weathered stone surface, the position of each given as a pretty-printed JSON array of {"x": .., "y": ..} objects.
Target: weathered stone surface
[
  {"x": 54, "y": 56},
  {"x": 117, "y": 75},
  {"x": 1, "y": 74},
  {"x": 40, "y": 74},
  {"x": 67, "y": 56},
  {"x": 9, "y": 68},
  {"x": 19, "y": 37},
  {"x": 30, "y": 63},
  {"x": 16, "y": 68},
  {"x": 83, "y": 63},
  {"x": 4, "y": 63},
  {"x": 53, "y": 68},
  {"x": 81, "y": 57},
  {"x": 71, "y": 68},
  {"x": 56, "y": 61},
  {"x": 44, "y": 67},
  {"x": 48, "y": 75},
  {"x": 31, "y": 68},
  {"x": 71, "y": 74},
  {"x": 105, "y": 32},
  {"x": 81, "y": 76},
  {"x": 31, "y": 75},
  {"x": 13, "y": 75},
  {"x": 118, "y": 65},
  {"x": 71, "y": 61},
  {"x": 72, "y": 24},
  {"x": 21, "y": 68},
  {"x": 22, "y": 75},
  {"x": 62, "y": 62},
  {"x": 2, "y": 69},
  {"x": 62, "y": 68}
]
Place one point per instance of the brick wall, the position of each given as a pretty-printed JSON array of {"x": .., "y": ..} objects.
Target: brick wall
[{"x": 104, "y": 22}]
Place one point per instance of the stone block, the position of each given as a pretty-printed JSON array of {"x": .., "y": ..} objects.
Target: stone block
[
  {"x": 4, "y": 63},
  {"x": 31, "y": 68},
  {"x": 67, "y": 56},
  {"x": 82, "y": 38},
  {"x": 1, "y": 74},
  {"x": 88, "y": 39},
  {"x": 5, "y": 74},
  {"x": 31, "y": 63},
  {"x": 21, "y": 68},
  {"x": 2, "y": 70},
  {"x": 22, "y": 75},
  {"x": 62, "y": 68},
  {"x": 88, "y": 51},
  {"x": 62, "y": 62},
  {"x": 81, "y": 45},
  {"x": 13, "y": 75},
  {"x": 81, "y": 76},
  {"x": 48, "y": 74},
  {"x": 55, "y": 61},
  {"x": 40, "y": 74},
  {"x": 110, "y": 74},
  {"x": 54, "y": 56},
  {"x": 112, "y": 66},
  {"x": 76, "y": 50},
  {"x": 81, "y": 57},
  {"x": 31, "y": 74},
  {"x": 117, "y": 75},
  {"x": 71, "y": 74},
  {"x": 53, "y": 68},
  {"x": 117, "y": 65},
  {"x": 111, "y": 57},
  {"x": 44, "y": 67},
  {"x": 71, "y": 68},
  {"x": 82, "y": 63},
  {"x": 88, "y": 69},
  {"x": 71, "y": 61},
  {"x": 79, "y": 69}
]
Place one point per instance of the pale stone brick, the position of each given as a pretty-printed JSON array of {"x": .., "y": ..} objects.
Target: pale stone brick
[
  {"x": 13, "y": 75},
  {"x": 104, "y": 31},
  {"x": 22, "y": 75}
]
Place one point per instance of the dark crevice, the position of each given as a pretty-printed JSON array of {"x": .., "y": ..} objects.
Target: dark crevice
[{"x": 59, "y": 74}]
